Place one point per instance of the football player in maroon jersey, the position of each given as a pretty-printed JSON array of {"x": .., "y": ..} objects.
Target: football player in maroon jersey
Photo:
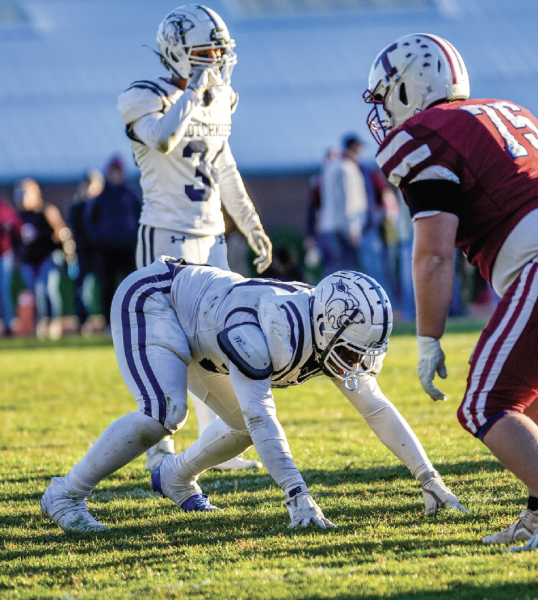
[{"x": 468, "y": 170}]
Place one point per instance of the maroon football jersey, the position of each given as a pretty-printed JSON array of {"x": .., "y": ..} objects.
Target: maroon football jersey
[{"x": 489, "y": 148}]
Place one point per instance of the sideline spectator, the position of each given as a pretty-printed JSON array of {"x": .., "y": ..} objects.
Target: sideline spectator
[
  {"x": 43, "y": 234},
  {"x": 10, "y": 235},
  {"x": 344, "y": 206},
  {"x": 111, "y": 224},
  {"x": 378, "y": 239},
  {"x": 90, "y": 187}
]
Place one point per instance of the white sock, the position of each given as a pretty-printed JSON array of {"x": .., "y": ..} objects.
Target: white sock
[
  {"x": 121, "y": 442},
  {"x": 218, "y": 443}
]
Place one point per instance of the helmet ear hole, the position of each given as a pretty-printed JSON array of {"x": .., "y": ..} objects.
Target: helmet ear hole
[
  {"x": 174, "y": 56},
  {"x": 403, "y": 94},
  {"x": 438, "y": 66}
]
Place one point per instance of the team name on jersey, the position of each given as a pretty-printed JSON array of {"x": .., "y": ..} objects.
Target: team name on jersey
[{"x": 208, "y": 130}]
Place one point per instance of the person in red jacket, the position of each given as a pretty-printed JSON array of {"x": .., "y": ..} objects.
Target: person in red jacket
[
  {"x": 468, "y": 170},
  {"x": 10, "y": 235}
]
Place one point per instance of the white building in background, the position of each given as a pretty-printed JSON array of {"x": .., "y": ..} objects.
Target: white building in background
[{"x": 303, "y": 65}]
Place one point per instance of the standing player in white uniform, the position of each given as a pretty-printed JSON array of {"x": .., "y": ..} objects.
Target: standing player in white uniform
[
  {"x": 179, "y": 128},
  {"x": 235, "y": 339}
]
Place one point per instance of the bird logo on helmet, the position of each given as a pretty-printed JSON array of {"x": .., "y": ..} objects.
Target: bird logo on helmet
[
  {"x": 352, "y": 322},
  {"x": 340, "y": 307}
]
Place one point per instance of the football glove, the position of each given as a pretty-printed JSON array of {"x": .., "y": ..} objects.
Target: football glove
[
  {"x": 303, "y": 509},
  {"x": 437, "y": 495},
  {"x": 201, "y": 80},
  {"x": 531, "y": 544},
  {"x": 260, "y": 243},
  {"x": 431, "y": 360}
]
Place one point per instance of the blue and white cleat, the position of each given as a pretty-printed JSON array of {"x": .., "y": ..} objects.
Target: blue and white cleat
[
  {"x": 69, "y": 512},
  {"x": 196, "y": 502}
]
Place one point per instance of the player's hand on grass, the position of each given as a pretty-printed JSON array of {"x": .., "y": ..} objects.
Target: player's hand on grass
[
  {"x": 532, "y": 544},
  {"x": 437, "y": 495},
  {"x": 431, "y": 360},
  {"x": 260, "y": 243},
  {"x": 303, "y": 509}
]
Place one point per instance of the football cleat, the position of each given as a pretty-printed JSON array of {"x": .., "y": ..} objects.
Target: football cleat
[
  {"x": 521, "y": 530},
  {"x": 237, "y": 464},
  {"x": 437, "y": 495},
  {"x": 69, "y": 512},
  {"x": 197, "y": 502}
]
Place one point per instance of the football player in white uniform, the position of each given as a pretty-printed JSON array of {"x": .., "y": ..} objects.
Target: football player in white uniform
[
  {"x": 179, "y": 128},
  {"x": 234, "y": 339}
]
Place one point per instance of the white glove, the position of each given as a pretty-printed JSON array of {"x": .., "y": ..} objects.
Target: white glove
[
  {"x": 437, "y": 495},
  {"x": 260, "y": 243},
  {"x": 532, "y": 544},
  {"x": 431, "y": 360},
  {"x": 201, "y": 80},
  {"x": 303, "y": 509}
]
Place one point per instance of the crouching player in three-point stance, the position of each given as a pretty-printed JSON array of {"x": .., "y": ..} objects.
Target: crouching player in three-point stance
[
  {"x": 469, "y": 172},
  {"x": 234, "y": 339}
]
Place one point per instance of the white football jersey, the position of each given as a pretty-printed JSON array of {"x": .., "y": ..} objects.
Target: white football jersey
[
  {"x": 210, "y": 303},
  {"x": 180, "y": 188}
]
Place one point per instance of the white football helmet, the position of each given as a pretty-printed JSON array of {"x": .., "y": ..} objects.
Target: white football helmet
[
  {"x": 195, "y": 27},
  {"x": 409, "y": 76},
  {"x": 352, "y": 322}
]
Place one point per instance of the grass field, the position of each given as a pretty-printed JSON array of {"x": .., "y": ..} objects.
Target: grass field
[{"x": 56, "y": 398}]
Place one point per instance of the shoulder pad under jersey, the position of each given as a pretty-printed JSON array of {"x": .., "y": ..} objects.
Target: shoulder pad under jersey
[
  {"x": 245, "y": 345},
  {"x": 281, "y": 318},
  {"x": 145, "y": 97}
]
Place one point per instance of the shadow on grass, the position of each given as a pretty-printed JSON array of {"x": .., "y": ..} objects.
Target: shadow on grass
[
  {"x": 252, "y": 482},
  {"x": 507, "y": 591}
]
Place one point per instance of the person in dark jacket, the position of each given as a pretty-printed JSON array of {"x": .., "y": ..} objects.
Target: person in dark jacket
[
  {"x": 112, "y": 224},
  {"x": 90, "y": 187}
]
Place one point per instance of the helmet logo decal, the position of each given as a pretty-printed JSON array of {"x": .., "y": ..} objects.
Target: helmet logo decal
[
  {"x": 384, "y": 60},
  {"x": 177, "y": 27},
  {"x": 338, "y": 309}
]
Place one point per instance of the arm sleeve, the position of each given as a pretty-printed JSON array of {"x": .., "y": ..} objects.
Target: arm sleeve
[
  {"x": 258, "y": 407},
  {"x": 233, "y": 194},
  {"x": 387, "y": 423},
  {"x": 164, "y": 131},
  {"x": 434, "y": 195}
]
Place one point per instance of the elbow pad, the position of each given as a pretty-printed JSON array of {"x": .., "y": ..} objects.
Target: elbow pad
[{"x": 246, "y": 347}]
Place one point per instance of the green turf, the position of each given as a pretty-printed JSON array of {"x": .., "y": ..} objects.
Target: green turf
[{"x": 56, "y": 399}]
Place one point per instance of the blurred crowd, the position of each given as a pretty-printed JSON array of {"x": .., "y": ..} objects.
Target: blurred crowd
[
  {"x": 91, "y": 248},
  {"x": 355, "y": 220}
]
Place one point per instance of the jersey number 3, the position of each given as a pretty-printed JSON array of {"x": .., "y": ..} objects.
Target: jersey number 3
[
  {"x": 501, "y": 114},
  {"x": 197, "y": 151}
]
